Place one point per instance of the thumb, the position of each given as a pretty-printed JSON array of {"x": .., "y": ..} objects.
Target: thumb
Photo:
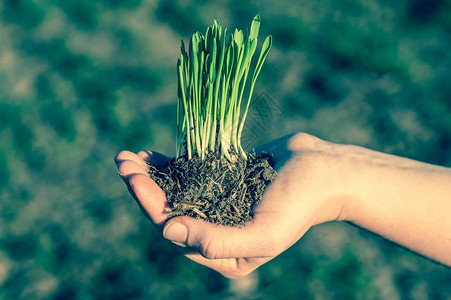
[{"x": 257, "y": 238}]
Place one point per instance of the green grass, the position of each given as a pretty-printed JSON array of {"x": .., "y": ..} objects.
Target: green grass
[{"x": 212, "y": 77}]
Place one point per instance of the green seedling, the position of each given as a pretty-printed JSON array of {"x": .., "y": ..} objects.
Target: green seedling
[{"x": 212, "y": 75}]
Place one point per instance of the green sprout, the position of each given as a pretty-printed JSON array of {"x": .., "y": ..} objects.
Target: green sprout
[{"x": 211, "y": 81}]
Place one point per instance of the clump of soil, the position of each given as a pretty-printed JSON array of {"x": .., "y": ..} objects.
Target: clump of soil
[{"x": 215, "y": 190}]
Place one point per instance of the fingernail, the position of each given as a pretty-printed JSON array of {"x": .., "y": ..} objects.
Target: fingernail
[{"x": 176, "y": 233}]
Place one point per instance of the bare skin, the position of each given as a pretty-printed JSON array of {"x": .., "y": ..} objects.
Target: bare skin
[{"x": 400, "y": 199}]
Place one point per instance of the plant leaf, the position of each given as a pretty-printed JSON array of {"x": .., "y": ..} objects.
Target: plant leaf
[
  {"x": 265, "y": 50},
  {"x": 255, "y": 27},
  {"x": 238, "y": 37}
]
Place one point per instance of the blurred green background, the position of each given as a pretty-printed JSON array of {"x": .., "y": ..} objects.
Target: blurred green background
[{"x": 82, "y": 80}]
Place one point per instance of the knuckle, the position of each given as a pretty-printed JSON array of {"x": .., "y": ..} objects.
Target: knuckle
[
  {"x": 275, "y": 242},
  {"x": 133, "y": 179},
  {"x": 211, "y": 247},
  {"x": 299, "y": 140},
  {"x": 303, "y": 141},
  {"x": 239, "y": 269}
]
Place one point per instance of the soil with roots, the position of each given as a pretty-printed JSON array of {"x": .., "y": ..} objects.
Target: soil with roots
[{"x": 215, "y": 189}]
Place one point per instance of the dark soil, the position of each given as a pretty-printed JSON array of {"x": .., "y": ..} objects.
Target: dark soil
[{"x": 215, "y": 190}]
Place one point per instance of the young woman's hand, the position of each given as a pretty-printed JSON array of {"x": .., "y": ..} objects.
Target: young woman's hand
[
  {"x": 299, "y": 198},
  {"x": 317, "y": 182}
]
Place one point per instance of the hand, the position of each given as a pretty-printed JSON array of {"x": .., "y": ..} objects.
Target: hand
[
  {"x": 303, "y": 194},
  {"x": 400, "y": 199}
]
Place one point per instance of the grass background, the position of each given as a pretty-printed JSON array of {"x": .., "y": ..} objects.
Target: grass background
[{"x": 82, "y": 80}]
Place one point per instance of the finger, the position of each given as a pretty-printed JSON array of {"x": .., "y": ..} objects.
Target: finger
[
  {"x": 127, "y": 155},
  {"x": 258, "y": 238},
  {"x": 150, "y": 197},
  {"x": 153, "y": 158},
  {"x": 126, "y": 168}
]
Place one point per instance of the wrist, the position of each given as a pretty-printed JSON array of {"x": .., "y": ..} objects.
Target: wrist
[{"x": 346, "y": 184}]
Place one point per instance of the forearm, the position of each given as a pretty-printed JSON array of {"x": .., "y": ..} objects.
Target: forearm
[{"x": 402, "y": 200}]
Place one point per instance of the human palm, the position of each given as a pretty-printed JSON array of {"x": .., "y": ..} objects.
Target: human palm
[{"x": 291, "y": 204}]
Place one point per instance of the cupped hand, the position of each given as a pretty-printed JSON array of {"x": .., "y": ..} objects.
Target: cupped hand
[{"x": 306, "y": 192}]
